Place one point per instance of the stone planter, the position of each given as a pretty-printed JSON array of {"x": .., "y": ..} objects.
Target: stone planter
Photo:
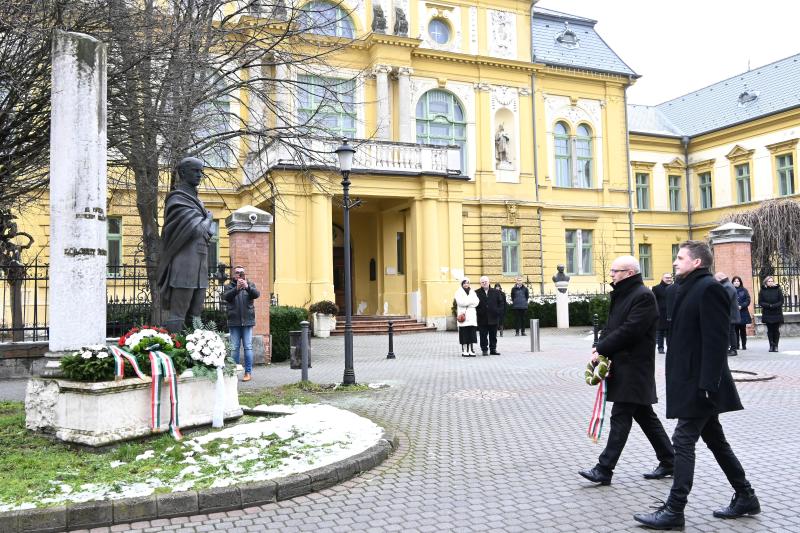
[
  {"x": 97, "y": 414},
  {"x": 324, "y": 324}
]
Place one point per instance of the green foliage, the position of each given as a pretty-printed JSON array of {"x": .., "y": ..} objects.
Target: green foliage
[
  {"x": 282, "y": 320},
  {"x": 580, "y": 312},
  {"x": 325, "y": 307},
  {"x": 77, "y": 368}
]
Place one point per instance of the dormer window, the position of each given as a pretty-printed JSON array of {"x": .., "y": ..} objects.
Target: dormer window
[
  {"x": 568, "y": 38},
  {"x": 747, "y": 97}
]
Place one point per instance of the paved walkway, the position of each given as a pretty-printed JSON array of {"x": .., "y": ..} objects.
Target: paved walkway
[{"x": 494, "y": 444}]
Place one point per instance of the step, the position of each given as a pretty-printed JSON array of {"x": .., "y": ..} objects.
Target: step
[{"x": 383, "y": 331}]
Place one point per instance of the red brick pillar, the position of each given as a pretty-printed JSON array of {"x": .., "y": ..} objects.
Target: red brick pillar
[
  {"x": 732, "y": 255},
  {"x": 248, "y": 233}
]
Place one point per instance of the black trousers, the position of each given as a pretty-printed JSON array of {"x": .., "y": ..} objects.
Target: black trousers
[
  {"x": 733, "y": 340},
  {"x": 488, "y": 336},
  {"x": 741, "y": 335},
  {"x": 622, "y": 416},
  {"x": 519, "y": 320},
  {"x": 687, "y": 432},
  {"x": 661, "y": 336},
  {"x": 774, "y": 334}
]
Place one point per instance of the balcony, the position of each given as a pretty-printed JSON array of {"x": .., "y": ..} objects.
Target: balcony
[{"x": 375, "y": 157}]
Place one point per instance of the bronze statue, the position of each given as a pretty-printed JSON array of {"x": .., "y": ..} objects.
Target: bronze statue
[
  {"x": 183, "y": 268},
  {"x": 400, "y": 23},
  {"x": 378, "y": 19}
]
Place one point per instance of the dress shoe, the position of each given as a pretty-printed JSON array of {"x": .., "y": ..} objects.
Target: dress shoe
[
  {"x": 731, "y": 353},
  {"x": 744, "y": 347},
  {"x": 596, "y": 476},
  {"x": 484, "y": 352},
  {"x": 745, "y": 503},
  {"x": 663, "y": 518},
  {"x": 659, "y": 473},
  {"x": 516, "y": 333},
  {"x": 247, "y": 377},
  {"x": 661, "y": 352},
  {"x": 494, "y": 352}
]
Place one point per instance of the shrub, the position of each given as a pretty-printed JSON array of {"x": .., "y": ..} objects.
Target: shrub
[
  {"x": 580, "y": 312},
  {"x": 282, "y": 320},
  {"x": 325, "y": 307}
]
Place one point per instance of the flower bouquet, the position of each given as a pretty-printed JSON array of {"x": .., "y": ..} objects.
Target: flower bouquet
[{"x": 90, "y": 363}]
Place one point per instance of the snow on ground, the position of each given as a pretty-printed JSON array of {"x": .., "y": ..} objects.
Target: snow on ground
[{"x": 312, "y": 436}]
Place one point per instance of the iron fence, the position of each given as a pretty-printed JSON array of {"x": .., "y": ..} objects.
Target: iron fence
[
  {"x": 24, "y": 312},
  {"x": 787, "y": 276}
]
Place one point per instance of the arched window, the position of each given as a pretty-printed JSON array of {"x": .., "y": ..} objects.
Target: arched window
[
  {"x": 325, "y": 18},
  {"x": 563, "y": 155},
  {"x": 583, "y": 151},
  {"x": 440, "y": 120}
]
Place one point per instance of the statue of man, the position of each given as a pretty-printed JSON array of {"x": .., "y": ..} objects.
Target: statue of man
[
  {"x": 188, "y": 228},
  {"x": 501, "y": 140}
]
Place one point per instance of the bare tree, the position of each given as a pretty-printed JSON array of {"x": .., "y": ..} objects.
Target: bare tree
[{"x": 604, "y": 257}]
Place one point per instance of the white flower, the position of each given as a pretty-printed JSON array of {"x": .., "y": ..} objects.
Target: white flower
[
  {"x": 87, "y": 354},
  {"x": 102, "y": 355}
]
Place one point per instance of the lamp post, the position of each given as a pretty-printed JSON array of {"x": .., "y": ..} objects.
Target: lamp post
[{"x": 345, "y": 153}]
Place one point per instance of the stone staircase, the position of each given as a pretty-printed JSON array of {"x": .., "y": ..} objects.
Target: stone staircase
[{"x": 379, "y": 325}]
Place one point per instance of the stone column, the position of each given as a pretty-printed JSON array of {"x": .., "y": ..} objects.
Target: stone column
[
  {"x": 408, "y": 133},
  {"x": 78, "y": 226},
  {"x": 248, "y": 232},
  {"x": 732, "y": 255},
  {"x": 383, "y": 129}
]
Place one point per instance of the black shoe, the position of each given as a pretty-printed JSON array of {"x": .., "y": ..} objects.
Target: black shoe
[
  {"x": 659, "y": 473},
  {"x": 484, "y": 352},
  {"x": 731, "y": 353},
  {"x": 494, "y": 352},
  {"x": 664, "y": 518},
  {"x": 744, "y": 347},
  {"x": 516, "y": 333},
  {"x": 523, "y": 333},
  {"x": 742, "y": 504},
  {"x": 661, "y": 352},
  {"x": 596, "y": 476}
]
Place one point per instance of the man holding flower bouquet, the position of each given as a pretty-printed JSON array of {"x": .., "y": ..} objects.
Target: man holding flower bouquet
[
  {"x": 239, "y": 295},
  {"x": 628, "y": 340}
]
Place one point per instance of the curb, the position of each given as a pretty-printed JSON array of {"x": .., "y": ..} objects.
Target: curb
[{"x": 94, "y": 514}]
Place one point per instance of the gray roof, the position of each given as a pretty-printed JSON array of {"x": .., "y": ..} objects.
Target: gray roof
[
  {"x": 776, "y": 87},
  {"x": 591, "y": 53}
]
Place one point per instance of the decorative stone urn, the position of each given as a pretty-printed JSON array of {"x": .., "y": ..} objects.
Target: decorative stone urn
[{"x": 324, "y": 324}]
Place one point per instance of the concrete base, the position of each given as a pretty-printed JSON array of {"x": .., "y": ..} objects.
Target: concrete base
[
  {"x": 97, "y": 414},
  {"x": 790, "y": 327}
]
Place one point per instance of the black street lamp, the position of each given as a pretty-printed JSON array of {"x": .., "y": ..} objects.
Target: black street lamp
[{"x": 345, "y": 153}]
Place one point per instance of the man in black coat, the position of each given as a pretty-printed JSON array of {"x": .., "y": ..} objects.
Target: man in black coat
[
  {"x": 660, "y": 292},
  {"x": 628, "y": 340},
  {"x": 699, "y": 387},
  {"x": 488, "y": 311}
]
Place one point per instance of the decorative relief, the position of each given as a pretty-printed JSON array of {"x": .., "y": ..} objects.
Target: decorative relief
[
  {"x": 452, "y": 15},
  {"x": 524, "y": 91},
  {"x": 482, "y": 86},
  {"x": 511, "y": 212},
  {"x": 502, "y": 40},
  {"x": 503, "y": 96}
]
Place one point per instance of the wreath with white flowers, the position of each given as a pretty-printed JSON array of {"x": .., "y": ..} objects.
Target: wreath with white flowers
[
  {"x": 207, "y": 347},
  {"x": 147, "y": 339},
  {"x": 90, "y": 363}
]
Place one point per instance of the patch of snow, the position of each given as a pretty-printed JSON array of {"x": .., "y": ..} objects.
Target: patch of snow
[
  {"x": 115, "y": 464},
  {"x": 149, "y": 454},
  {"x": 276, "y": 409}
]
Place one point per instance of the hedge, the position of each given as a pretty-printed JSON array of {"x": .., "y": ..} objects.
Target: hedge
[
  {"x": 282, "y": 320},
  {"x": 580, "y": 312}
]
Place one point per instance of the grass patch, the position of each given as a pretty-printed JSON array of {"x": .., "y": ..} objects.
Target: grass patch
[{"x": 294, "y": 393}]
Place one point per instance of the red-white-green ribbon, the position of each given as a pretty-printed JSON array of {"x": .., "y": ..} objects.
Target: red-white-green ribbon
[
  {"x": 120, "y": 357},
  {"x": 161, "y": 367},
  {"x": 598, "y": 412}
]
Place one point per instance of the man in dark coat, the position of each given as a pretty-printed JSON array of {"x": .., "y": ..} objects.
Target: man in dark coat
[
  {"x": 519, "y": 303},
  {"x": 660, "y": 292},
  {"x": 628, "y": 340},
  {"x": 183, "y": 267},
  {"x": 488, "y": 310},
  {"x": 699, "y": 387},
  {"x": 722, "y": 277}
]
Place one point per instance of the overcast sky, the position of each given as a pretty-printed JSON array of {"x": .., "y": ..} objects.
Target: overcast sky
[{"x": 678, "y": 46}]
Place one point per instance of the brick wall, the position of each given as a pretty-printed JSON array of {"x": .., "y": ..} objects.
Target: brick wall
[{"x": 251, "y": 250}]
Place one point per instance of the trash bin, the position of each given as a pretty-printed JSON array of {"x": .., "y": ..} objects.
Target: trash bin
[{"x": 295, "y": 357}]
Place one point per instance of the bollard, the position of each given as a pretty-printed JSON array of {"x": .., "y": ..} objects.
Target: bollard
[
  {"x": 390, "y": 355},
  {"x": 304, "y": 351},
  {"x": 595, "y": 328},
  {"x": 535, "y": 335}
]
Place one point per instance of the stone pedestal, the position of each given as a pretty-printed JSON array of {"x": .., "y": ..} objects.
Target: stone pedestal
[
  {"x": 249, "y": 231},
  {"x": 732, "y": 254},
  {"x": 97, "y": 414}
]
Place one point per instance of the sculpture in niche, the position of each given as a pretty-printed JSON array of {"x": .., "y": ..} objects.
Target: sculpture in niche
[
  {"x": 501, "y": 142},
  {"x": 400, "y": 23},
  {"x": 378, "y": 19}
]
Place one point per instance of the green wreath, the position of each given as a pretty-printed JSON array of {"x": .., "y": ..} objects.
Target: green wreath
[{"x": 596, "y": 371}]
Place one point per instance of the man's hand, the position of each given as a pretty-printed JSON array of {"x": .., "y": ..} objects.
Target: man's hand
[{"x": 594, "y": 354}]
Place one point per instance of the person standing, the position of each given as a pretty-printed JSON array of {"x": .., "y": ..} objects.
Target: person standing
[
  {"x": 239, "y": 295},
  {"x": 502, "y": 318},
  {"x": 519, "y": 304},
  {"x": 488, "y": 315},
  {"x": 735, "y": 316},
  {"x": 660, "y": 292},
  {"x": 699, "y": 387},
  {"x": 466, "y": 304},
  {"x": 770, "y": 299},
  {"x": 628, "y": 340},
  {"x": 743, "y": 301}
]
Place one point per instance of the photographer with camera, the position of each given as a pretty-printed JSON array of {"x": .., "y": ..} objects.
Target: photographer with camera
[{"x": 239, "y": 295}]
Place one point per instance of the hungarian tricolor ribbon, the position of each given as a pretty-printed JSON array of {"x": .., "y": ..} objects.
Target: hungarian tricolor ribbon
[
  {"x": 161, "y": 366},
  {"x": 598, "y": 412},
  {"x": 120, "y": 357}
]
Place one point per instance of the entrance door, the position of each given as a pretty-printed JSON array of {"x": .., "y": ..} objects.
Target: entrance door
[{"x": 338, "y": 277}]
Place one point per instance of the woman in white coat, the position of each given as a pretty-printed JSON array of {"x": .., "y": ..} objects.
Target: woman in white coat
[{"x": 467, "y": 318}]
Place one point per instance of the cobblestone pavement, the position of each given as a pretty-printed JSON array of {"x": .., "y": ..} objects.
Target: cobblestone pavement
[{"x": 494, "y": 444}]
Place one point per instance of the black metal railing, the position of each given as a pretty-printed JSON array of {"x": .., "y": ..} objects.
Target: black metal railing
[
  {"x": 24, "y": 303},
  {"x": 788, "y": 277}
]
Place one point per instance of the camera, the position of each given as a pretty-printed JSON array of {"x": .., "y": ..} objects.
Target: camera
[{"x": 253, "y": 218}]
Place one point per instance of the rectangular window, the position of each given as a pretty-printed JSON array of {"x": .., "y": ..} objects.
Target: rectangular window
[
  {"x": 510, "y": 243},
  {"x": 642, "y": 190},
  {"x": 327, "y": 104},
  {"x": 674, "y": 192},
  {"x": 706, "y": 198},
  {"x": 401, "y": 252},
  {"x": 114, "y": 257},
  {"x": 785, "y": 166},
  {"x": 579, "y": 251},
  {"x": 646, "y": 260},
  {"x": 742, "y": 182},
  {"x": 213, "y": 248}
]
